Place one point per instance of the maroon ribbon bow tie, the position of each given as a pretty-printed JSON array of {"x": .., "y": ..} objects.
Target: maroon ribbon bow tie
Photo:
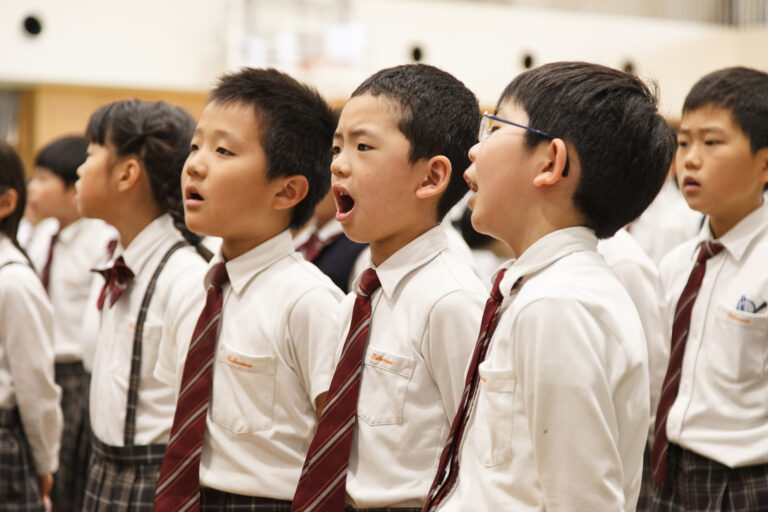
[{"x": 117, "y": 278}]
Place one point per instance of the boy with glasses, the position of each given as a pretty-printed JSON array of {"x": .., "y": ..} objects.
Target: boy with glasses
[{"x": 555, "y": 410}]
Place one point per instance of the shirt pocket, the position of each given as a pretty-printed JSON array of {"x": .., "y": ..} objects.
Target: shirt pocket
[
  {"x": 383, "y": 387},
  {"x": 494, "y": 416},
  {"x": 243, "y": 391},
  {"x": 738, "y": 351}
]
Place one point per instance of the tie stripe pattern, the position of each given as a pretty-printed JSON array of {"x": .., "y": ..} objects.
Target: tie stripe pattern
[
  {"x": 178, "y": 486},
  {"x": 448, "y": 468},
  {"x": 117, "y": 278},
  {"x": 680, "y": 327},
  {"x": 322, "y": 485}
]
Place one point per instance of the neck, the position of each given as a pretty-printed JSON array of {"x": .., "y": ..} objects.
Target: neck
[
  {"x": 66, "y": 220},
  {"x": 382, "y": 249},
  {"x": 233, "y": 247},
  {"x": 722, "y": 224},
  {"x": 131, "y": 225}
]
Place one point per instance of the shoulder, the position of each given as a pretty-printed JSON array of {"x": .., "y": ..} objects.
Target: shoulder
[
  {"x": 443, "y": 276},
  {"x": 297, "y": 277}
]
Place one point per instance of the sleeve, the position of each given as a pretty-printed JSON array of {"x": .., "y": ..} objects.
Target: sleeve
[
  {"x": 644, "y": 287},
  {"x": 184, "y": 305},
  {"x": 313, "y": 338},
  {"x": 449, "y": 340},
  {"x": 29, "y": 344},
  {"x": 568, "y": 397}
]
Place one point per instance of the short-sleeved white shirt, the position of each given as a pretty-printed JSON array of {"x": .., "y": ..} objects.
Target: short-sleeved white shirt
[
  {"x": 114, "y": 348},
  {"x": 640, "y": 277},
  {"x": 80, "y": 247},
  {"x": 274, "y": 357},
  {"x": 26, "y": 356},
  {"x": 425, "y": 321},
  {"x": 721, "y": 409},
  {"x": 560, "y": 418}
]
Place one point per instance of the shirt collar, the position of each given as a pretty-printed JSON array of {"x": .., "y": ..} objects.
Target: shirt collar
[
  {"x": 415, "y": 254},
  {"x": 69, "y": 233},
  {"x": 149, "y": 240},
  {"x": 547, "y": 250},
  {"x": 248, "y": 265},
  {"x": 738, "y": 239}
]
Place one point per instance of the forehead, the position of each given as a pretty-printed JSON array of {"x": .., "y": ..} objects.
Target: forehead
[
  {"x": 377, "y": 113},
  {"x": 708, "y": 118},
  {"x": 512, "y": 111},
  {"x": 233, "y": 119}
]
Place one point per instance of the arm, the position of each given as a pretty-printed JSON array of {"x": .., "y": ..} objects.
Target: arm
[
  {"x": 453, "y": 327},
  {"x": 560, "y": 358},
  {"x": 312, "y": 330},
  {"x": 29, "y": 345}
]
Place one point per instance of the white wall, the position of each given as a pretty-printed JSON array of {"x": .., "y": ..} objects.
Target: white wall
[{"x": 185, "y": 44}]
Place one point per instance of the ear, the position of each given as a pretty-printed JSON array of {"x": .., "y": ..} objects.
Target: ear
[
  {"x": 554, "y": 165},
  {"x": 762, "y": 159},
  {"x": 8, "y": 201},
  {"x": 436, "y": 177},
  {"x": 127, "y": 173},
  {"x": 291, "y": 190}
]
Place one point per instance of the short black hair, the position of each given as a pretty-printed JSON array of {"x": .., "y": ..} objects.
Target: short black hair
[
  {"x": 63, "y": 156},
  {"x": 624, "y": 145},
  {"x": 743, "y": 91},
  {"x": 296, "y": 128},
  {"x": 438, "y": 116}
]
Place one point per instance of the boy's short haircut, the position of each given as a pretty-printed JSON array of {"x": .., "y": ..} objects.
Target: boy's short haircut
[
  {"x": 743, "y": 91},
  {"x": 296, "y": 128},
  {"x": 438, "y": 116},
  {"x": 63, "y": 156},
  {"x": 622, "y": 142}
]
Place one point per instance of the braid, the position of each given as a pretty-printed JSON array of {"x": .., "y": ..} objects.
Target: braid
[{"x": 159, "y": 135}]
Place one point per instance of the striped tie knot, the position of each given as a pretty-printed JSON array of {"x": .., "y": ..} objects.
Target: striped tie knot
[
  {"x": 708, "y": 249},
  {"x": 219, "y": 276},
  {"x": 369, "y": 282}
]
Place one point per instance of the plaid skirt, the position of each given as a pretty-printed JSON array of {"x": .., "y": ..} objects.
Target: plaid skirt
[
  {"x": 350, "y": 508},
  {"x": 698, "y": 484},
  {"x": 122, "y": 479},
  {"x": 69, "y": 481},
  {"x": 213, "y": 500},
  {"x": 19, "y": 487}
]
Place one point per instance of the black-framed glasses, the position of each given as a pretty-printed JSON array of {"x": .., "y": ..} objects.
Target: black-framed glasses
[{"x": 485, "y": 132}]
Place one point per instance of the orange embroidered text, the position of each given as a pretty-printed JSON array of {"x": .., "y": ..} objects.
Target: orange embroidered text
[
  {"x": 238, "y": 363},
  {"x": 377, "y": 357}
]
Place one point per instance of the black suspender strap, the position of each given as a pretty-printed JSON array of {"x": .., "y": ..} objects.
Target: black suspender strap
[{"x": 133, "y": 387}]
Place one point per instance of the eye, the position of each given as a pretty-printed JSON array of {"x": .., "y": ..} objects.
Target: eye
[
  {"x": 711, "y": 142},
  {"x": 335, "y": 150},
  {"x": 224, "y": 151},
  {"x": 193, "y": 147},
  {"x": 682, "y": 143},
  {"x": 363, "y": 147}
]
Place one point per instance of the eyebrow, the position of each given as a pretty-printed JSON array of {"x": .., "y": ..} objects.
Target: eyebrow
[
  {"x": 705, "y": 129},
  {"x": 357, "y": 132},
  {"x": 218, "y": 133}
]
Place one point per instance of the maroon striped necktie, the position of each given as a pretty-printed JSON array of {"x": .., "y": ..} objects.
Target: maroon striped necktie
[
  {"x": 178, "y": 486},
  {"x": 45, "y": 274},
  {"x": 323, "y": 481},
  {"x": 448, "y": 468},
  {"x": 680, "y": 327},
  {"x": 117, "y": 278}
]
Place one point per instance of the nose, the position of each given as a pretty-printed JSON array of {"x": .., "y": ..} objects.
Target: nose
[
  {"x": 339, "y": 165},
  {"x": 473, "y": 152},
  {"x": 690, "y": 155},
  {"x": 194, "y": 165}
]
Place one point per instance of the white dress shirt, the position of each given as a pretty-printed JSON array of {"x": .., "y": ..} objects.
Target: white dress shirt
[
  {"x": 80, "y": 246},
  {"x": 274, "y": 357},
  {"x": 425, "y": 321},
  {"x": 721, "y": 409},
  {"x": 640, "y": 277},
  {"x": 26, "y": 356},
  {"x": 114, "y": 349},
  {"x": 560, "y": 418}
]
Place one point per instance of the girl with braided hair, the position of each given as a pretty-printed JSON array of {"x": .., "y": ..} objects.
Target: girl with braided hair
[{"x": 131, "y": 179}]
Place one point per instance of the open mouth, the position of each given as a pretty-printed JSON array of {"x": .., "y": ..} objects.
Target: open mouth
[
  {"x": 344, "y": 202},
  {"x": 192, "y": 194}
]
